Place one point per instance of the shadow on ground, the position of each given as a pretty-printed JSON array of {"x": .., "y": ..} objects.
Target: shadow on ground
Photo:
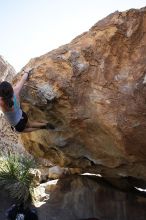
[{"x": 81, "y": 197}]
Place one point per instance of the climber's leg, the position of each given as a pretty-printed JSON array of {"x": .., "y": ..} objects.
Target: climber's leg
[
  {"x": 30, "y": 129},
  {"x": 26, "y": 125},
  {"x": 39, "y": 125},
  {"x": 26, "y": 130},
  {"x": 35, "y": 124}
]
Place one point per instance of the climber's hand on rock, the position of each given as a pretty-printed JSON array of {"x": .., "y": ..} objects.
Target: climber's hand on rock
[{"x": 28, "y": 71}]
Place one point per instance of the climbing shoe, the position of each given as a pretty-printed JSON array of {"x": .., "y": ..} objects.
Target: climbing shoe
[{"x": 48, "y": 126}]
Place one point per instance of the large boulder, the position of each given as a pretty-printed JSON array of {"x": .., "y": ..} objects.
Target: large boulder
[{"x": 93, "y": 90}]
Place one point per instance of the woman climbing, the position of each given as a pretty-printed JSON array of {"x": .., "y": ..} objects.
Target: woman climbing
[{"x": 10, "y": 105}]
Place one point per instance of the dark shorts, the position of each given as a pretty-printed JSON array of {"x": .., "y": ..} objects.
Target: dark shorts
[{"x": 22, "y": 123}]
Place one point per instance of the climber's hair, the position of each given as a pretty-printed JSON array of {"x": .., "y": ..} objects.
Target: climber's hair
[{"x": 6, "y": 92}]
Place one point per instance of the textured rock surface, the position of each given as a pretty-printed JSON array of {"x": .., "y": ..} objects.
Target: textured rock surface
[
  {"x": 81, "y": 197},
  {"x": 7, "y": 72},
  {"x": 8, "y": 139},
  {"x": 94, "y": 92}
]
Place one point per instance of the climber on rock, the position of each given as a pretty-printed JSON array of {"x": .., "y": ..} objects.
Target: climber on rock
[{"x": 10, "y": 106}]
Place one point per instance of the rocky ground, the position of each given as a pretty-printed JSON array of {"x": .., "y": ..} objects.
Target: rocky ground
[{"x": 82, "y": 197}]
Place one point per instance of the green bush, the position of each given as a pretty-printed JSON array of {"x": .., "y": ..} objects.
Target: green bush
[{"x": 16, "y": 178}]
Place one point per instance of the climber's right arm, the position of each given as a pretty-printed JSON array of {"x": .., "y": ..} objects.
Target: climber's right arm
[{"x": 17, "y": 88}]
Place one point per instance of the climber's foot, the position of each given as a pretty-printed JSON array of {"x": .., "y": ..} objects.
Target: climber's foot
[{"x": 50, "y": 126}]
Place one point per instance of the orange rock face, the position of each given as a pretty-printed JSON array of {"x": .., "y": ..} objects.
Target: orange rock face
[{"x": 93, "y": 90}]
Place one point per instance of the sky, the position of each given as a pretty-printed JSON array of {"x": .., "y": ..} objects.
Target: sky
[{"x": 31, "y": 28}]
